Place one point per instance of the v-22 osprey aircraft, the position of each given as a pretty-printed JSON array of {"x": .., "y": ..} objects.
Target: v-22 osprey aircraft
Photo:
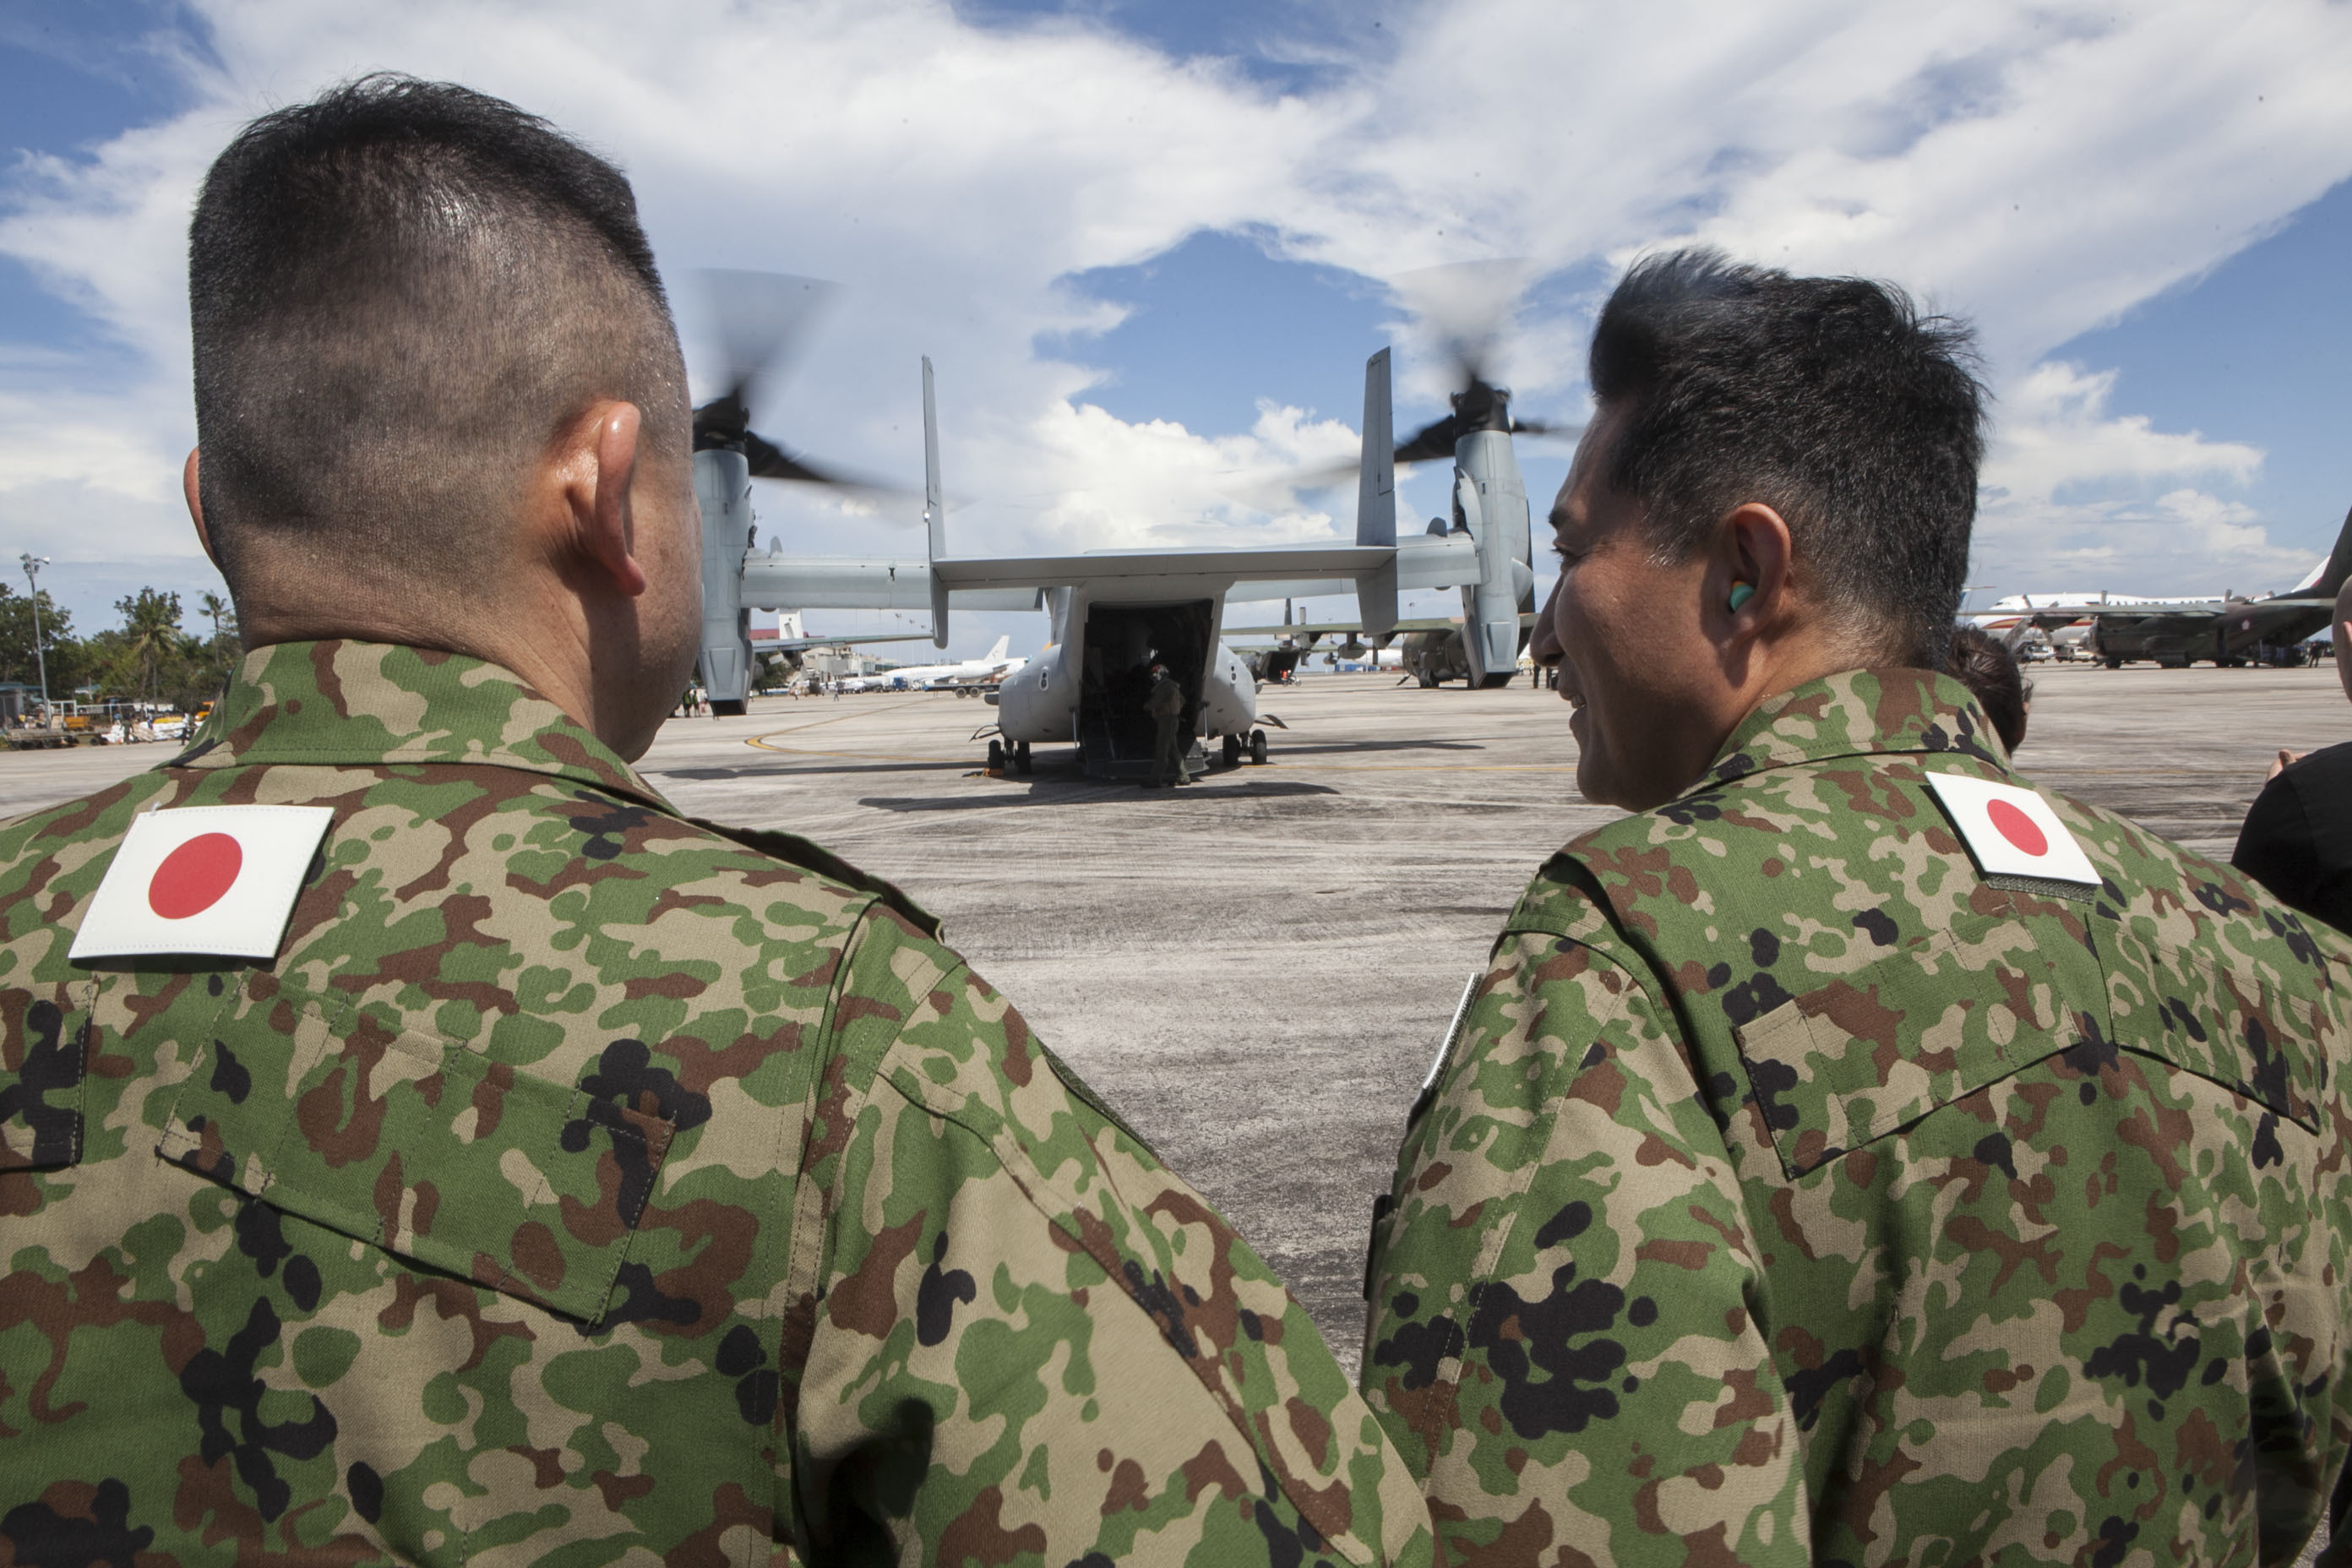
[{"x": 1112, "y": 613}]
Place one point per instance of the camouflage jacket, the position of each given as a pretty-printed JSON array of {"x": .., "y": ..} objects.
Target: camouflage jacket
[
  {"x": 1791, "y": 1190},
  {"x": 582, "y": 1183}
]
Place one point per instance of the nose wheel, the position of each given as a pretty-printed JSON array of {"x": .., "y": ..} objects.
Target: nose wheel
[
  {"x": 1233, "y": 750},
  {"x": 1257, "y": 747}
]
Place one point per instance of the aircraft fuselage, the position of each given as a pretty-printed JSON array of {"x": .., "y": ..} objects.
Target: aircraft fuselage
[{"x": 1087, "y": 688}]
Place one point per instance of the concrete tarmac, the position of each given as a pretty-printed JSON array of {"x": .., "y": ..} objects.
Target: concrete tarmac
[{"x": 1256, "y": 970}]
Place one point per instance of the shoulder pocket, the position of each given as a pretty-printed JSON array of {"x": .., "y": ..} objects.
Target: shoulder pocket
[
  {"x": 422, "y": 1147},
  {"x": 1084, "y": 1093},
  {"x": 1856, "y": 1060},
  {"x": 2227, "y": 1025}
]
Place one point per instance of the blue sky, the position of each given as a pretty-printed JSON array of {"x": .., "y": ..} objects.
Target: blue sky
[
  {"x": 1149, "y": 246},
  {"x": 2257, "y": 351}
]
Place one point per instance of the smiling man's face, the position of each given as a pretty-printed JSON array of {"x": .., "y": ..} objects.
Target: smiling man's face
[{"x": 1635, "y": 664}]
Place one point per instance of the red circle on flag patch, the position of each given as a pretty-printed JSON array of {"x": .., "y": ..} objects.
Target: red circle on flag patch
[
  {"x": 193, "y": 878},
  {"x": 2017, "y": 827}
]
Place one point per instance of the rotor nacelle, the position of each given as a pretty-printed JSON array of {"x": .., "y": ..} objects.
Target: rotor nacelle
[{"x": 722, "y": 486}]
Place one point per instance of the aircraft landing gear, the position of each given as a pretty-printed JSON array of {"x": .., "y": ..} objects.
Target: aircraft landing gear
[
  {"x": 1233, "y": 750},
  {"x": 1257, "y": 747},
  {"x": 996, "y": 757},
  {"x": 728, "y": 707},
  {"x": 1021, "y": 758}
]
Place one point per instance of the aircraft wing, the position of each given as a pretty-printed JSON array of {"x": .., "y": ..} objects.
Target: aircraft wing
[
  {"x": 775, "y": 582},
  {"x": 1346, "y": 562},
  {"x": 1422, "y": 561},
  {"x": 2192, "y": 608},
  {"x": 802, "y": 645},
  {"x": 1016, "y": 581},
  {"x": 1332, "y": 628},
  {"x": 1317, "y": 628}
]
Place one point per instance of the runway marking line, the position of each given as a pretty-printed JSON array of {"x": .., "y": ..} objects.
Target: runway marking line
[{"x": 762, "y": 742}]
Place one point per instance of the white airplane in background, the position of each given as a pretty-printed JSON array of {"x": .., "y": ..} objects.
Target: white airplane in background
[
  {"x": 971, "y": 674},
  {"x": 2229, "y": 630}
]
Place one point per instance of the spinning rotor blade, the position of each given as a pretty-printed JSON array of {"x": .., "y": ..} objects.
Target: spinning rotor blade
[
  {"x": 1431, "y": 442},
  {"x": 757, "y": 322},
  {"x": 757, "y": 319},
  {"x": 769, "y": 461},
  {"x": 1465, "y": 308}
]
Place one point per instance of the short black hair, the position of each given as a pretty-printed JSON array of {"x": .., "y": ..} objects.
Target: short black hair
[
  {"x": 400, "y": 293},
  {"x": 1987, "y": 667},
  {"x": 1832, "y": 400}
]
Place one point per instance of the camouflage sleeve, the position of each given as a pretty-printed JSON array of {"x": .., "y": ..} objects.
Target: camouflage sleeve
[
  {"x": 1027, "y": 1343},
  {"x": 1562, "y": 1339}
]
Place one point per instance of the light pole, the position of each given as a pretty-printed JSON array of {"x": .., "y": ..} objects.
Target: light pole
[{"x": 33, "y": 565}]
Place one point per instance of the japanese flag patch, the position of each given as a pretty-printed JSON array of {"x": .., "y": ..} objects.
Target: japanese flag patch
[
  {"x": 2013, "y": 831},
  {"x": 210, "y": 879}
]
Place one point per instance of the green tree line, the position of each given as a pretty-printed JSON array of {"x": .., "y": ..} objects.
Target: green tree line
[{"x": 150, "y": 657}]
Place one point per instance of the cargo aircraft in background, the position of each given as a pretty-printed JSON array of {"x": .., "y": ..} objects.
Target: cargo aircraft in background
[
  {"x": 1112, "y": 613},
  {"x": 2228, "y": 630}
]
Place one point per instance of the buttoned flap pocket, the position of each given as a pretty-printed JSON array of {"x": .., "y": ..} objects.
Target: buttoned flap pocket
[
  {"x": 1867, "y": 1053},
  {"x": 2227, "y": 1023},
  {"x": 422, "y": 1147}
]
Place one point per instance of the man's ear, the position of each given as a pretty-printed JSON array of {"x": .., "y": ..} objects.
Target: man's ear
[
  {"x": 194, "y": 492},
  {"x": 597, "y": 494},
  {"x": 1749, "y": 581}
]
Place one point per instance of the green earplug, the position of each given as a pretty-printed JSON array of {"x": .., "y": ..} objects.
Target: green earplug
[{"x": 1740, "y": 593}]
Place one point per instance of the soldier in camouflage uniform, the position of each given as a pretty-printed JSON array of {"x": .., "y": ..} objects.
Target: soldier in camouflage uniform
[
  {"x": 571, "y": 1182},
  {"x": 1792, "y": 1188}
]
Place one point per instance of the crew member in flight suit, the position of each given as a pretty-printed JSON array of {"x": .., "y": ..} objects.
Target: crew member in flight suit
[{"x": 1165, "y": 704}]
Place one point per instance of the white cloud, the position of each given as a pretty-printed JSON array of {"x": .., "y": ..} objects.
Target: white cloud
[
  {"x": 1160, "y": 484},
  {"x": 2039, "y": 167},
  {"x": 2074, "y": 492},
  {"x": 2186, "y": 541},
  {"x": 2057, "y": 433}
]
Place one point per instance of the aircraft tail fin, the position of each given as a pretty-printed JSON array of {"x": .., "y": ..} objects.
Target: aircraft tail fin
[
  {"x": 2327, "y": 580},
  {"x": 1002, "y": 645},
  {"x": 934, "y": 515},
  {"x": 1375, "y": 590},
  {"x": 1376, "y": 472}
]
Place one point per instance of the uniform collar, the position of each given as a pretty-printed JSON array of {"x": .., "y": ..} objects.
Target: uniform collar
[
  {"x": 1853, "y": 713},
  {"x": 357, "y": 704}
]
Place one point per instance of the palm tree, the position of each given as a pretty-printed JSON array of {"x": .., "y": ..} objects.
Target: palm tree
[
  {"x": 151, "y": 621},
  {"x": 224, "y": 618}
]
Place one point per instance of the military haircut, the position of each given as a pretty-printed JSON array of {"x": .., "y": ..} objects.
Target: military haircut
[
  {"x": 1832, "y": 400},
  {"x": 401, "y": 291}
]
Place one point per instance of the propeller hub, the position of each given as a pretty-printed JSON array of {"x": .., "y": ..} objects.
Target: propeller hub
[
  {"x": 1479, "y": 406},
  {"x": 722, "y": 424}
]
